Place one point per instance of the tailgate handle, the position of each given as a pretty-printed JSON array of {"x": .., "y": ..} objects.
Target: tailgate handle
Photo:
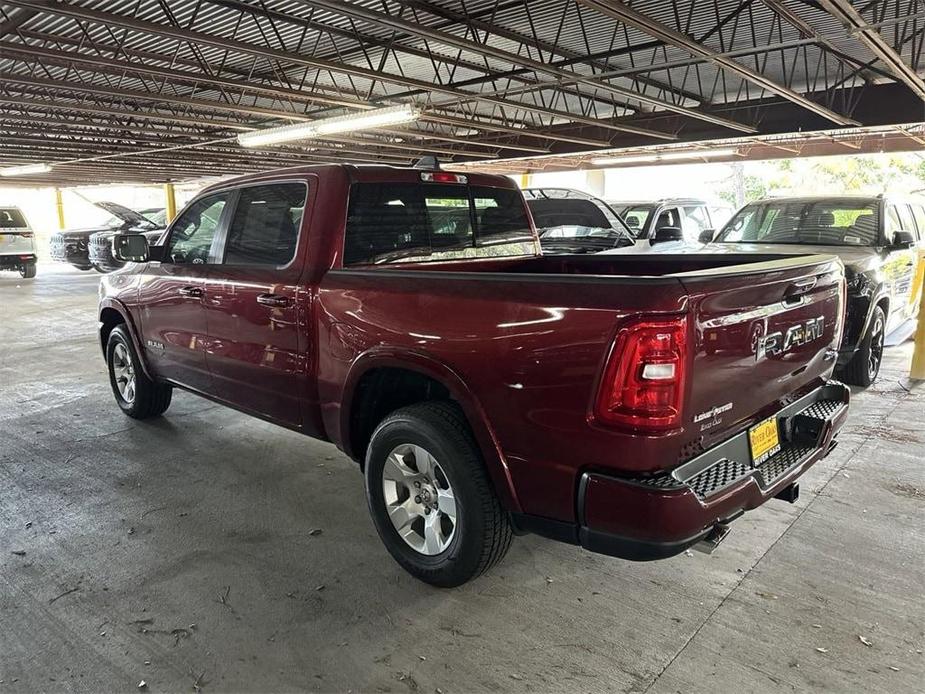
[{"x": 794, "y": 294}]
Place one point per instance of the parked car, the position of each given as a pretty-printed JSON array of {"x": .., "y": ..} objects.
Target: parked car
[
  {"x": 99, "y": 247},
  {"x": 17, "y": 242},
  {"x": 482, "y": 387},
  {"x": 570, "y": 221},
  {"x": 73, "y": 245},
  {"x": 875, "y": 237},
  {"x": 671, "y": 219}
]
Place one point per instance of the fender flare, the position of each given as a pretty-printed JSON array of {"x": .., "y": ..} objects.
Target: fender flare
[
  {"x": 118, "y": 306},
  {"x": 427, "y": 365}
]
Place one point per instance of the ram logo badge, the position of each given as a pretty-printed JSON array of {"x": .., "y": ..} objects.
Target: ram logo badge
[{"x": 796, "y": 335}]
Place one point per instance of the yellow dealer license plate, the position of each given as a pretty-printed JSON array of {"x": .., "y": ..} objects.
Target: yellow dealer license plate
[{"x": 764, "y": 440}]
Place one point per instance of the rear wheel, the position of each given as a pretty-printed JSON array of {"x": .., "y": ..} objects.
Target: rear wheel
[
  {"x": 27, "y": 270},
  {"x": 863, "y": 368},
  {"x": 137, "y": 395},
  {"x": 431, "y": 498}
]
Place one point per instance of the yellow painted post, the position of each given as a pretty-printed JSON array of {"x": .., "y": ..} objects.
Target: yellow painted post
[
  {"x": 170, "y": 201},
  {"x": 917, "y": 372},
  {"x": 59, "y": 204},
  {"x": 524, "y": 180}
]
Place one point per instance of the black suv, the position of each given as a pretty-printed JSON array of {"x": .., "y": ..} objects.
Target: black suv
[{"x": 875, "y": 237}]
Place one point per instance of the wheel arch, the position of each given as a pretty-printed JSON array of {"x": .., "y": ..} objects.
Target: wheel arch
[
  {"x": 113, "y": 313},
  {"x": 358, "y": 418}
]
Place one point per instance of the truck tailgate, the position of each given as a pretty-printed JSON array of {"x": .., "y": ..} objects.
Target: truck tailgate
[{"x": 763, "y": 334}]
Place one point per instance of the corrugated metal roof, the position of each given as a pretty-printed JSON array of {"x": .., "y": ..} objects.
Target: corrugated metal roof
[{"x": 521, "y": 73}]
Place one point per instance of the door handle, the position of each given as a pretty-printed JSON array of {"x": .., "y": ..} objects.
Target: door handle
[
  {"x": 274, "y": 300},
  {"x": 190, "y": 291}
]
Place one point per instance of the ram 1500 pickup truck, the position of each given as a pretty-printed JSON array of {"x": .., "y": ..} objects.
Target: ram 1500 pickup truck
[{"x": 485, "y": 390}]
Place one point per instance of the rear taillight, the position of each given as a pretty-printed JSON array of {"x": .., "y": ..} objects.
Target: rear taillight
[{"x": 643, "y": 382}]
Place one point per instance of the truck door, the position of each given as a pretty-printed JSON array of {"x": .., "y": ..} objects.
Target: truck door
[
  {"x": 255, "y": 308},
  {"x": 173, "y": 323}
]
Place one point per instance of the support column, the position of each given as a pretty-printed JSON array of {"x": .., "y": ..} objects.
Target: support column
[
  {"x": 917, "y": 372},
  {"x": 59, "y": 205},
  {"x": 594, "y": 182},
  {"x": 170, "y": 201},
  {"x": 524, "y": 180}
]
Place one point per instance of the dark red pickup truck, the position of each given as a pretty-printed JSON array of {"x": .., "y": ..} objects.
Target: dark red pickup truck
[{"x": 634, "y": 405}]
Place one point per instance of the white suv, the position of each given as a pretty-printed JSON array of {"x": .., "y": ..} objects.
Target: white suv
[{"x": 17, "y": 242}]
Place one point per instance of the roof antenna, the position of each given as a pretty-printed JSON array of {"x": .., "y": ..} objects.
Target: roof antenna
[{"x": 429, "y": 162}]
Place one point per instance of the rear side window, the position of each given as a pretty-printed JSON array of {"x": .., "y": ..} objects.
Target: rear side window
[
  {"x": 11, "y": 218},
  {"x": 265, "y": 227},
  {"x": 394, "y": 222}
]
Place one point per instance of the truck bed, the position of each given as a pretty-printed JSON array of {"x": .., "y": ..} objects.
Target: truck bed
[{"x": 528, "y": 339}]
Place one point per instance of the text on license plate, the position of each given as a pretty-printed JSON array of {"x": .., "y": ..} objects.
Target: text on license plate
[{"x": 764, "y": 440}]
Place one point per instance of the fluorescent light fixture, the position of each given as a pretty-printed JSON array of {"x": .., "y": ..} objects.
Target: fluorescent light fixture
[
  {"x": 25, "y": 170},
  {"x": 664, "y": 156},
  {"x": 376, "y": 118}
]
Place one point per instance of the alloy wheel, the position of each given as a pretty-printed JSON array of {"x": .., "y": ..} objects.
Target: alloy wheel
[
  {"x": 876, "y": 348},
  {"x": 124, "y": 373},
  {"x": 419, "y": 499}
]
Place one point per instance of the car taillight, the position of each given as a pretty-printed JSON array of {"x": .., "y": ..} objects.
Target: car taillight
[{"x": 643, "y": 382}]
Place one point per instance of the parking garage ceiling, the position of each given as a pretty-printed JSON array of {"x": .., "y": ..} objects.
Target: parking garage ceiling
[{"x": 151, "y": 90}]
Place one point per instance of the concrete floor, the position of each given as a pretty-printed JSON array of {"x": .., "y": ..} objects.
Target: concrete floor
[{"x": 180, "y": 552}]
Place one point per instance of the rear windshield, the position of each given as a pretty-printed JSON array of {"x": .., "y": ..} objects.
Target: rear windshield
[
  {"x": 395, "y": 222},
  {"x": 11, "y": 218},
  {"x": 819, "y": 223}
]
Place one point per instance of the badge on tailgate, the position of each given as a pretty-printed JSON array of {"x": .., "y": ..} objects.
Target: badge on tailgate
[{"x": 795, "y": 336}]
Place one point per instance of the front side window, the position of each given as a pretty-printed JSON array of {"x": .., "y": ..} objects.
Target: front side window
[
  {"x": 821, "y": 223},
  {"x": 265, "y": 227},
  {"x": 192, "y": 234},
  {"x": 668, "y": 218},
  {"x": 636, "y": 217},
  {"x": 395, "y": 222},
  {"x": 918, "y": 211}
]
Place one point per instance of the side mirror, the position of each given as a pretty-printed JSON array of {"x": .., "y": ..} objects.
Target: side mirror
[
  {"x": 668, "y": 234},
  {"x": 632, "y": 222},
  {"x": 706, "y": 236},
  {"x": 130, "y": 248},
  {"x": 902, "y": 240}
]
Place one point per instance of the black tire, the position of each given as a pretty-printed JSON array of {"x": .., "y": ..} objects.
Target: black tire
[
  {"x": 27, "y": 271},
  {"x": 149, "y": 399},
  {"x": 864, "y": 366},
  {"x": 482, "y": 532},
  {"x": 84, "y": 268}
]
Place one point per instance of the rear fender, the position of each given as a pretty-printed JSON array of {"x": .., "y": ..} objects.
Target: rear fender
[
  {"x": 459, "y": 391},
  {"x": 132, "y": 331}
]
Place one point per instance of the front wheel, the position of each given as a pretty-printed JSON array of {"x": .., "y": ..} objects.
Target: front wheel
[
  {"x": 137, "y": 395},
  {"x": 27, "y": 271},
  {"x": 431, "y": 498},
  {"x": 863, "y": 368}
]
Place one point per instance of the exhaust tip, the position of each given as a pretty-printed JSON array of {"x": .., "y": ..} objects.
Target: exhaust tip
[{"x": 709, "y": 543}]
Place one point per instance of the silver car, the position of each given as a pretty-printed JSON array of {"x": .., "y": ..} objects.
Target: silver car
[{"x": 17, "y": 242}]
